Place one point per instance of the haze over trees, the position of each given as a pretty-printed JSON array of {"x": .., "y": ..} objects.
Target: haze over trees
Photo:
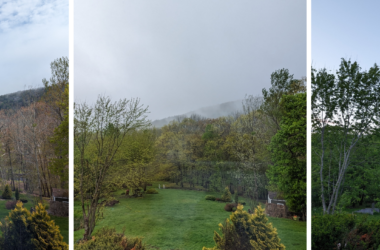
[{"x": 115, "y": 148}]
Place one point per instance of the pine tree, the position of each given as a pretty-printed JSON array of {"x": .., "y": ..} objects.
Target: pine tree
[
  {"x": 17, "y": 194},
  {"x": 45, "y": 234},
  {"x": 255, "y": 229},
  {"x": 226, "y": 196},
  {"x": 16, "y": 234},
  {"x": 236, "y": 197},
  {"x": 246, "y": 231},
  {"x": 25, "y": 230},
  {"x": 7, "y": 194}
]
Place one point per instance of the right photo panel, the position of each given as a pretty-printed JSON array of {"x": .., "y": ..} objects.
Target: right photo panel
[{"x": 345, "y": 83}]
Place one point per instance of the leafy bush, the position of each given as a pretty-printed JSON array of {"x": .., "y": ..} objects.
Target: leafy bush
[
  {"x": 236, "y": 197},
  {"x": 152, "y": 191},
  {"x": 329, "y": 230},
  {"x": 107, "y": 238},
  {"x": 366, "y": 235},
  {"x": 10, "y": 204},
  {"x": 24, "y": 200},
  {"x": 229, "y": 207},
  {"x": 7, "y": 193},
  {"x": 210, "y": 197},
  {"x": 17, "y": 194},
  {"x": 226, "y": 196}
]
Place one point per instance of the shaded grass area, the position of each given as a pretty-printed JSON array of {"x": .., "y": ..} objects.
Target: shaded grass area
[
  {"x": 62, "y": 222},
  {"x": 375, "y": 216},
  {"x": 180, "y": 219}
]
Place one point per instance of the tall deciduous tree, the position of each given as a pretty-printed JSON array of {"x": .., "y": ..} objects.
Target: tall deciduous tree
[
  {"x": 349, "y": 100},
  {"x": 99, "y": 132}
]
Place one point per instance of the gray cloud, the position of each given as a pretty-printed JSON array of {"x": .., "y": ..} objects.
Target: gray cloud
[
  {"x": 32, "y": 34},
  {"x": 178, "y": 56}
]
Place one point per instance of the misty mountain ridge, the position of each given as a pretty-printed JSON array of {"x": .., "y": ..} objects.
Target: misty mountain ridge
[
  {"x": 210, "y": 112},
  {"x": 20, "y": 98}
]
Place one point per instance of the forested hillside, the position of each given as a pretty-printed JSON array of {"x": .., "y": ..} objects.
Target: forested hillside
[{"x": 21, "y": 98}]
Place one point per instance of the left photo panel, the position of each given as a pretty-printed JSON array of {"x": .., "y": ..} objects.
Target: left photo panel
[{"x": 34, "y": 124}]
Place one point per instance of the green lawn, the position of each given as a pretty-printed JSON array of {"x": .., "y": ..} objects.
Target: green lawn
[
  {"x": 62, "y": 222},
  {"x": 181, "y": 219}
]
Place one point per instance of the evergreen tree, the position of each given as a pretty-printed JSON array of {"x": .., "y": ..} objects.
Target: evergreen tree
[
  {"x": 226, "y": 196},
  {"x": 16, "y": 234},
  {"x": 236, "y": 197},
  {"x": 17, "y": 194},
  {"x": 25, "y": 230},
  {"x": 44, "y": 233},
  {"x": 247, "y": 231},
  {"x": 7, "y": 193}
]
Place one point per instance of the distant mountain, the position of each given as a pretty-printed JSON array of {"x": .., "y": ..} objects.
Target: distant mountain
[
  {"x": 20, "y": 98},
  {"x": 211, "y": 112}
]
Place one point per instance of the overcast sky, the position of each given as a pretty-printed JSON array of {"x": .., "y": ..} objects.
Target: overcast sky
[
  {"x": 33, "y": 33},
  {"x": 345, "y": 28},
  {"x": 178, "y": 56}
]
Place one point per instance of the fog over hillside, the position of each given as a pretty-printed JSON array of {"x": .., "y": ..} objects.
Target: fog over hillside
[
  {"x": 20, "y": 98},
  {"x": 211, "y": 112}
]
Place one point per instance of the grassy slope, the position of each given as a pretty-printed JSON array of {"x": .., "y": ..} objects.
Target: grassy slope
[
  {"x": 182, "y": 219},
  {"x": 62, "y": 222}
]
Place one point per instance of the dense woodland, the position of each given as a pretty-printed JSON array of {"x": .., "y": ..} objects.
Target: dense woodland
[
  {"x": 263, "y": 148},
  {"x": 34, "y": 136}
]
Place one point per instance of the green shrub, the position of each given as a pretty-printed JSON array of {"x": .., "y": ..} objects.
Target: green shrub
[
  {"x": 247, "y": 231},
  {"x": 210, "y": 197},
  {"x": 226, "y": 196},
  {"x": 7, "y": 193},
  {"x": 236, "y": 197},
  {"x": 107, "y": 238},
  {"x": 368, "y": 231},
  {"x": 17, "y": 194},
  {"x": 152, "y": 191},
  {"x": 24, "y": 200},
  {"x": 328, "y": 230},
  {"x": 25, "y": 230}
]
